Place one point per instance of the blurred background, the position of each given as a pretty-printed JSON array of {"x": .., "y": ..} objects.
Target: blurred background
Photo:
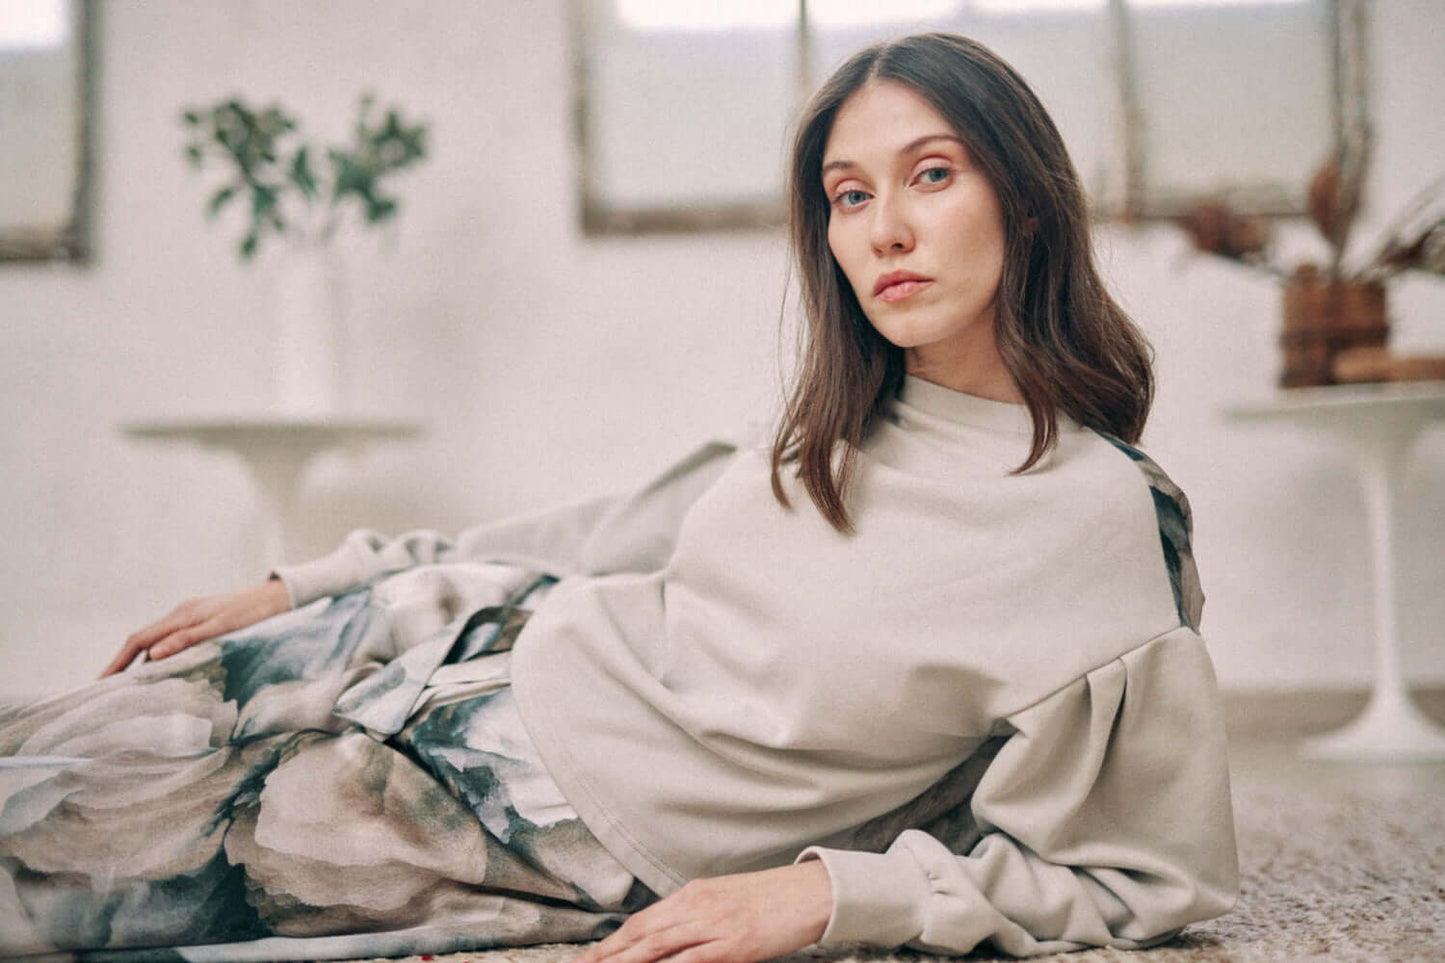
[{"x": 584, "y": 276}]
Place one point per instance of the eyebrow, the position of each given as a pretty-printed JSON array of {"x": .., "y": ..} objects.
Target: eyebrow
[{"x": 908, "y": 148}]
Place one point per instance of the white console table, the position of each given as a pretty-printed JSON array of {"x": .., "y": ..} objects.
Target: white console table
[
  {"x": 275, "y": 449},
  {"x": 1376, "y": 424}
]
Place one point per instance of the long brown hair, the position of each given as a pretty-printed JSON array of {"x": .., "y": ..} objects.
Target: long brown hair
[{"x": 1069, "y": 347}]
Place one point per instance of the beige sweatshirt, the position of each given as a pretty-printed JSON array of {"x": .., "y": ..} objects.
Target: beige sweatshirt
[{"x": 988, "y": 711}]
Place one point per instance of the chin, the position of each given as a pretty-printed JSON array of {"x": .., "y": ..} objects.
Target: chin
[{"x": 908, "y": 336}]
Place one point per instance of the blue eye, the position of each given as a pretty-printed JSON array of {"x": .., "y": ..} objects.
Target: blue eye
[
  {"x": 934, "y": 175},
  {"x": 850, "y": 198}
]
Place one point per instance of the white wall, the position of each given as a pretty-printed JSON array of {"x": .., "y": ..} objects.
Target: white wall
[{"x": 551, "y": 366}]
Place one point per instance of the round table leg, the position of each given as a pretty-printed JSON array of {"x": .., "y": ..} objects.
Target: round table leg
[
  {"x": 278, "y": 476},
  {"x": 1390, "y": 729}
]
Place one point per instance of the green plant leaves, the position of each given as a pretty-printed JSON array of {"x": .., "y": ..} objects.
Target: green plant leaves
[
  {"x": 301, "y": 174},
  {"x": 379, "y": 209},
  {"x": 219, "y": 199},
  {"x": 252, "y": 143}
]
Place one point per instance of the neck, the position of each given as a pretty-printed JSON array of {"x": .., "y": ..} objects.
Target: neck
[{"x": 980, "y": 373}]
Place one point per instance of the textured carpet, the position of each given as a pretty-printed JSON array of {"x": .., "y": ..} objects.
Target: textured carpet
[{"x": 1345, "y": 878}]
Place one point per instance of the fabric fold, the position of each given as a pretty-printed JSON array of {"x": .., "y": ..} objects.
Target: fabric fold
[{"x": 384, "y": 701}]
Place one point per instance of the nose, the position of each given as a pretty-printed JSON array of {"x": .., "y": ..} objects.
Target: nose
[{"x": 890, "y": 231}]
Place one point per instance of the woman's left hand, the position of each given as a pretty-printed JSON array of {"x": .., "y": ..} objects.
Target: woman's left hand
[{"x": 728, "y": 919}]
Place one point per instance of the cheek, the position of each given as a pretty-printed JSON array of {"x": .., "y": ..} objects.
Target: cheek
[{"x": 980, "y": 243}]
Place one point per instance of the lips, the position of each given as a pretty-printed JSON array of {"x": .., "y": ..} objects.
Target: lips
[{"x": 897, "y": 285}]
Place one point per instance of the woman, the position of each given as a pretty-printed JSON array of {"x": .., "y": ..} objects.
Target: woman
[{"x": 926, "y": 672}]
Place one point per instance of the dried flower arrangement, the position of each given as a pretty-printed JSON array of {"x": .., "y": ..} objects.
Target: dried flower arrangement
[
  {"x": 1335, "y": 326},
  {"x": 1415, "y": 241}
]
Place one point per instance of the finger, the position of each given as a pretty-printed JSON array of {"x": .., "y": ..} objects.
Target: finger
[
  {"x": 180, "y": 617},
  {"x": 667, "y": 944},
  {"x": 134, "y": 646},
  {"x": 124, "y": 658},
  {"x": 714, "y": 951},
  {"x": 654, "y": 942},
  {"x": 634, "y": 928},
  {"x": 184, "y": 639}
]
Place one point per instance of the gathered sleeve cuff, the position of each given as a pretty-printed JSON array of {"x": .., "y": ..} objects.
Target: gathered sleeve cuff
[
  {"x": 616, "y": 533},
  {"x": 877, "y": 899},
  {"x": 1104, "y": 820}
]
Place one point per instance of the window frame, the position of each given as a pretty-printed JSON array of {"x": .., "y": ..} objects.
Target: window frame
[
  {"x": 1131, "y": 200},
  {"x": 71, "y": 239}
]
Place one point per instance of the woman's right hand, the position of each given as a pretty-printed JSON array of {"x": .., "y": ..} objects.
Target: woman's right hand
[{"x": 200, "y": 619}]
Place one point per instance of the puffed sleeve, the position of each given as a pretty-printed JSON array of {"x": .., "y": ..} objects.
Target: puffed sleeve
[
  {"x": 621, "y": 533},
  {"x": 1103, "y": 820}
]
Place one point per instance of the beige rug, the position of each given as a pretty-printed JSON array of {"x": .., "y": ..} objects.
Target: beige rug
[{"x": 1350, "y": 878}]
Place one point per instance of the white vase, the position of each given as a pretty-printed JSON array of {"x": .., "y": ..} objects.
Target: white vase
[{"x": 311, "y": 369}]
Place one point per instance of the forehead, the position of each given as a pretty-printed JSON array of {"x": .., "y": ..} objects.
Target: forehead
[{"x": 879, "y": 119}]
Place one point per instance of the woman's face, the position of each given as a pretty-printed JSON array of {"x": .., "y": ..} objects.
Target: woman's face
[{"x": 918, "y": 231}]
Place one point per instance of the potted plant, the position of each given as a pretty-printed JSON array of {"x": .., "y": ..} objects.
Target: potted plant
[
  {"x": 290, "y": 189},
  {"x": 1335, "y": 324}
]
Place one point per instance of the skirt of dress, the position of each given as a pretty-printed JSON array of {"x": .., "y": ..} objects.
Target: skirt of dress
[{"x": 349, "y": 779}]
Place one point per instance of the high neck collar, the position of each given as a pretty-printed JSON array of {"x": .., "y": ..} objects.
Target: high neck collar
[{"x": 960, "y": 408}]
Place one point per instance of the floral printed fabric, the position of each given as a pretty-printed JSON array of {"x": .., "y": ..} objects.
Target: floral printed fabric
[
  {"x": 1176, "y": 527},
  {"x": 215, "y": 797}
]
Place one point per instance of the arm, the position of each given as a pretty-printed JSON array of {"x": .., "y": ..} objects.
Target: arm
[
  {"x": 740, "y": 918},
  {"x": 1105, "y": 819},
  {"x": 199, "y": 619},
  {"x": 634, "y": 532}
]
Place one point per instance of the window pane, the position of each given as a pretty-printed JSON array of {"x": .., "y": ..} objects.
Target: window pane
[
  {"x": 1059, "y": 46},
  {"x": 39, "y": 116},
  {"x": 687, "y": 112},
  {"x": 35, "y": 23},
  {"x": 1232, "y": 96}
]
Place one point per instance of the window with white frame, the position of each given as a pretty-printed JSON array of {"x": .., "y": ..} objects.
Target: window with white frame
[{"x": 685, "y": 107}]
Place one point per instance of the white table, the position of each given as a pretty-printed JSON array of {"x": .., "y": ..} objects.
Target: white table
[
  {"x": 275, "y": 449},
  {"x": 1377, "y": 424}
]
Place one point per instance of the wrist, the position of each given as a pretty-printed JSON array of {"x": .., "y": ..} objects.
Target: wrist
[
  {"x": 277, "y": 596},
  {"x": 812, "y": 890}
]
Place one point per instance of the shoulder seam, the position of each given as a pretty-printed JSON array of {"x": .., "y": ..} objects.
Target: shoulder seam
[
  {"x": 1119, "y": 657},
  {"x": 1175, "y": 520}
]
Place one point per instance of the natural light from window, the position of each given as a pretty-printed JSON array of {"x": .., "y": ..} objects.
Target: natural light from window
[
  {"x": 695, "y": 15},
  {"x": 710, "y": 15},
  {"x": 34, "y": 23}
]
